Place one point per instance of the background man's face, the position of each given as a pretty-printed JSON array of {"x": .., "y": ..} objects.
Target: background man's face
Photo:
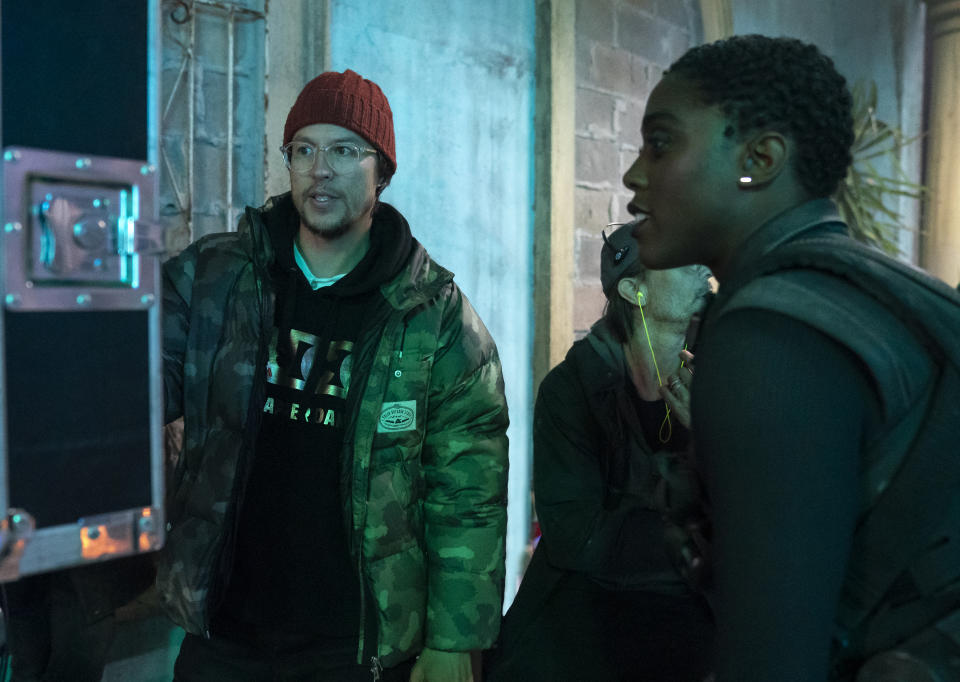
[
  {"x": 332, "y": 204},
  {"x": 676, "y": 293}
]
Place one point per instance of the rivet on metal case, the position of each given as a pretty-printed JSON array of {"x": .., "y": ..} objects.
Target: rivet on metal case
[
  {"x": 12, "y": 227},
  {"x": 107, "y": 535},
  {"x": 12, "y": 300},
  {"x": 147, "y": 299},
  {"x": 84, "y": 299},
  {"x": 147, "y": 531},
  {"x": 15, "y": 530},
  {"x": 83, "y": 163},
  {"x": 147, "y": 170},
  {"x": 21, "y": 522},
  {"x": 11, "y": 155}
]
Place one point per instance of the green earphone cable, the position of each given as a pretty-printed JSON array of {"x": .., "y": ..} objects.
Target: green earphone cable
[{"x": 666, "y": 420}]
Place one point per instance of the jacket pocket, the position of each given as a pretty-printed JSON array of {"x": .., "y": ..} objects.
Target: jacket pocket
[{"x": 402, "y": 417}]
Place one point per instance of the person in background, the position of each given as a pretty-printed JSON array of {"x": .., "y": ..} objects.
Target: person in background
[
  {"x": 339, "y": 508},
  {"x": 604, "y": 597},
  {"x": 826, "y": 396}
]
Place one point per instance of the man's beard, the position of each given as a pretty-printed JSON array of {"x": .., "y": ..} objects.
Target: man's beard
[{"x": 330, "y": 231}]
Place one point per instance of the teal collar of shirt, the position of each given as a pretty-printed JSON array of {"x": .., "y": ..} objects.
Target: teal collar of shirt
[{"x": 314, "y": 281}]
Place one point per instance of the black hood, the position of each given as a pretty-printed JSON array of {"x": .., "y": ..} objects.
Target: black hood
[{"x": 390, "y": 246}]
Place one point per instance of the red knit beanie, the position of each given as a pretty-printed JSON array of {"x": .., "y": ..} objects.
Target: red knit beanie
[{"x": 347, "y": 100}]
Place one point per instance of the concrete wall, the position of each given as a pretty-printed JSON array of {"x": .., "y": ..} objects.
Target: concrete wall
[
  {"x": 879, "y": 40},
  {"x": 459, "y": 75},
  {"x": 623, "y": 46},
  {"x": 297, "y": 50}
]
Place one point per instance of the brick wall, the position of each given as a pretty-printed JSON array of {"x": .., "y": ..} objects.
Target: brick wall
[{"x": 622, "y": 46}]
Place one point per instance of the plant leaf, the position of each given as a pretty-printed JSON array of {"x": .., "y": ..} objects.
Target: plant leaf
[{"x": 862, "y": 195}]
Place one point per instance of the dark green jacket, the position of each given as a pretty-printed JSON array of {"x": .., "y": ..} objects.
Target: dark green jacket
[
  {"x": 601, "y": 501},
  {"x": 598, "y": 483},
  {"x": 425, "y": 498}
]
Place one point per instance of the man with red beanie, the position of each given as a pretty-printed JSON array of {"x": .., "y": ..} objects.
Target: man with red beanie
[{"x": 339, "y": 509}]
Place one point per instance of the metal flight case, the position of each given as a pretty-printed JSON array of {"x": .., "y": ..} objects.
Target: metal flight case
[
  {"x": 80, "y": 380},
  {"x": 82, "y": 459}
]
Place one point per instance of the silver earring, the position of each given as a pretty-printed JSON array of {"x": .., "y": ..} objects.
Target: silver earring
[{"x": 745, "y": 180}]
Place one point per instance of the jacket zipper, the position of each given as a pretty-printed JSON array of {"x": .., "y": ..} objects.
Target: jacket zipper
[
  {"x": 403, "y": 338},
  {"x": 376, "y": 669},
  {"x": 375, "y": 666}
]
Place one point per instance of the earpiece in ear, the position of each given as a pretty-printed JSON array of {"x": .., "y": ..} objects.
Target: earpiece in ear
[{"x": 639, "y": 296}]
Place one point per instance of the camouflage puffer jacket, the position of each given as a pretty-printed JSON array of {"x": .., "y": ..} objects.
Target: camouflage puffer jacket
[{"x": 424, "y": 460}]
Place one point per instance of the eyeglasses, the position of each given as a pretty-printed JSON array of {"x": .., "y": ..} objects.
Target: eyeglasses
[{"x": 341, "y": 157}]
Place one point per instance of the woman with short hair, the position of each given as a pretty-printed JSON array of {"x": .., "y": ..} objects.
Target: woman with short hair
[{"x": 604, "y": 597}]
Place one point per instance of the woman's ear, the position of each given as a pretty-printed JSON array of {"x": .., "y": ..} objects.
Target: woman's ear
[
  {"x": 633, "y": 290},
  {"x": 765, "y": 158}
]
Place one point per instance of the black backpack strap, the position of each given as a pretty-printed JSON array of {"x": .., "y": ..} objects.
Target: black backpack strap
[
  {"x": 909, "y": 519},
  {"x": 904, "y": 572},
  {"x": 850, "y": 317}
]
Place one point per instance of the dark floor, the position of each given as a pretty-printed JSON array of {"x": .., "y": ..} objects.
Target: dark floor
[{"x": 144, "y": 651}]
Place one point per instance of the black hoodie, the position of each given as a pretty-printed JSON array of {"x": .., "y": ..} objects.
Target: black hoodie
[{"x": 292, "y": 570}]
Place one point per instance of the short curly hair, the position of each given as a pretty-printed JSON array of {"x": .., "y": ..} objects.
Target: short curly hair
[{"x": 780, "y": 84}]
